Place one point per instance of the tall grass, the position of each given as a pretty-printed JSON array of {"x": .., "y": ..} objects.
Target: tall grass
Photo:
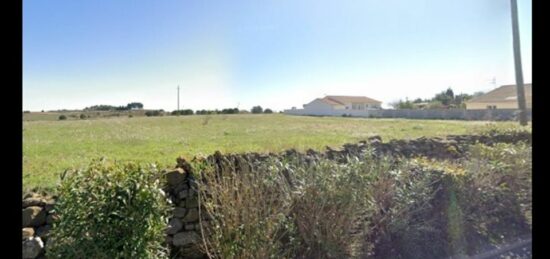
[
  {"x": 366, "y": 207},
  {"x": 247, "y": 211}
]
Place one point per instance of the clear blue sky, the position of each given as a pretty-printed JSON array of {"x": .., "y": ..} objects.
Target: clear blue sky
[{"x": 274, "y": 53}]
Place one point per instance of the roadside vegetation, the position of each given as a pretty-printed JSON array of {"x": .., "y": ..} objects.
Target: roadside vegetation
[{"x": 366, "y": 207}]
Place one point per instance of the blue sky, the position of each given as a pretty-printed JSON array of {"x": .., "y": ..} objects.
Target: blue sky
[{"x": 274, "y": 53}]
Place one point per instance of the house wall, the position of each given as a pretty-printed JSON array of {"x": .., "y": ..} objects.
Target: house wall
[
  {"x": 317, "y": 107},
  {"x": 350, "y": 106},
  {"x": 499, "y": 105}
]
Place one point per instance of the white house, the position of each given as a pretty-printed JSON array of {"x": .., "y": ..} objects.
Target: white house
[{"x": 332, "y": 105}]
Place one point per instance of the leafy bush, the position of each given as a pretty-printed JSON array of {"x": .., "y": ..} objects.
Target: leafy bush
[
  {"x": 154, "y": 113},
  {"x": 230, "y": 111},
  {"x": 268, "y": 110},
  {"x": 182, "y": 112},
  {"x": 496, "y": 193},
  {"x": 403, "y": 219},
  {"x": 257, "y": 109},
  {"x": 109, "y": 211},
  {"x": 367, "y": 206},
  {"x": 82, "y": 116},
  {"x": 62, "y": 117},
  {"x": 328, "y": 199}
]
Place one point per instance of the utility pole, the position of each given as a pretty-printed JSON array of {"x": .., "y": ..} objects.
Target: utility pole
[
  {"x": 517, "y": 59},
  {"x": 178, "y": 98}
]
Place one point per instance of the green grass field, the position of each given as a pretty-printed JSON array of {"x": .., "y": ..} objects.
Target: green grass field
[
  {"x": 49, "y": 147},
  {"x": 75, "y": 115}
]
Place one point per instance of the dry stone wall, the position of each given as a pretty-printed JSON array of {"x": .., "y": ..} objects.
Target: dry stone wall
[
  {"x": 38, "y": 216},
  {"x": 183, "y": 234}
]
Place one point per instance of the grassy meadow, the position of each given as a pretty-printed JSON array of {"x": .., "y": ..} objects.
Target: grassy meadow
[{"x": 49, "y": 147}]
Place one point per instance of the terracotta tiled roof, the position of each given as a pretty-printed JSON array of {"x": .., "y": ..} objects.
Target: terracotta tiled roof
[
  {"x": 341, "y": 100},
  {"x": 505, "y": 93}
]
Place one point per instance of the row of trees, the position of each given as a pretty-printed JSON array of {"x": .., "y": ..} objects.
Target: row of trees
[
  {"x": 255, "y": 109},
  {"x": 444, "y": 100},
  {"x": 138, "y": 105},
  {"x": 259, "y": 109},
  {"x": 103, "y": 107}
]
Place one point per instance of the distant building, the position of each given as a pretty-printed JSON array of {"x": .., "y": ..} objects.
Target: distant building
[
  {"x": 504, "y": 97},
  {"x": 423, "y": 105},
  {"x": 333, "y": 105}
]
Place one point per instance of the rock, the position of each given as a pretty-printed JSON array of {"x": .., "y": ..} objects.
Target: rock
[
  {"x": 29, "y": 195},
  {"x": 168, "y": 239},
  {"x": 192, "y": 202},
  {"x": 33, "y": 216},
  {"x": 189, "y": 227},
  {"x": 43, "y": 231},
  {"x": 51, "y": 218},
  {"x": 374, "y": 139},
  {"x": 33, "y": 201},
  {"x": 182, "y": 204},
  {"x": 192, "y": 253},
  {"x": 179, "y": 212},
  {"x": 185, "y": 238},
  {"x": 174, "y": 226},
  {"x": 32, "y": 248},
  {"x": 49, "y": 205},
  {"x": 192, "y": 215},
  {"x": 28, "y": 233},
  {"x": 175, "y": 177},
  {"x": 183, "y": 194},
  {"x": 183, "y": 164},
  {"x": 180, "y": 187}
]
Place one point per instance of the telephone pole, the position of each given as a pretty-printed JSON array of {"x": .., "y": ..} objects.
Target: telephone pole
[
  {"x": 178, "y": 97},
  {"x": 517, "y": 61}
]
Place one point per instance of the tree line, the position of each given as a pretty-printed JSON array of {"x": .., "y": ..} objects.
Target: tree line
[
  {"x": 443, "y": 100},
  {"x": 103, "y": 107}
]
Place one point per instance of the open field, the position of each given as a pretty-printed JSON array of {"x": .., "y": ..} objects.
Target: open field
[
  {"x": 51, "y": 146},
  {"x": 75, "y": 115}
]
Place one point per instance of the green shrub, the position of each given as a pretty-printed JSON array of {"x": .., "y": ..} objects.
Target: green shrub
[
  {"x": 62, "y": 117},
  {"x": 109, "y": 210},
  {"x": 404, "y": 219},
  {"x": 496, "y": 193},
  {"x": 257, "y": 109},
  {"x": 366, "y": 206},
  {"x": 328, "y": 198},
  {"x": 154, "y": 113},
  {"x": 82, "y": 116},
  {"x": 182, "y": 112}
]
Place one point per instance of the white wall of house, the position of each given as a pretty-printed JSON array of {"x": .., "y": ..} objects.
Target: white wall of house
[{"x": 318, "y": 107}]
